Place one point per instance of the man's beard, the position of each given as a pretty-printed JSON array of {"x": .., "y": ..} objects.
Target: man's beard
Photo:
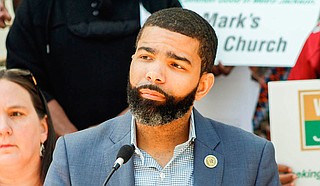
[{"x": 154, "y": 113}]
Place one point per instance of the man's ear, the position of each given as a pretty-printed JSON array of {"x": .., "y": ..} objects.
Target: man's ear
[
  {"x": 205, "y": 84},
  {"x": 44, "y": 129}
]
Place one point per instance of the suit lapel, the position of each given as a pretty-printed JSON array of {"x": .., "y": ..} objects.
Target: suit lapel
[
  {"x": 207, "y": 140},
  {"x": 120, "y": 136},
  {"x": 125, "y": 174}
]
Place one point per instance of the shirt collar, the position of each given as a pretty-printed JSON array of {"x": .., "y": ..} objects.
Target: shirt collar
[{"x": 192, "y": 132}]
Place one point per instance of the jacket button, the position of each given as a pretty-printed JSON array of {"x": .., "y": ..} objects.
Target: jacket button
[
  {"x": 94, "y": 4},
  {"x": 95, "y": 13},
  {"x": 210, "y": 161}
]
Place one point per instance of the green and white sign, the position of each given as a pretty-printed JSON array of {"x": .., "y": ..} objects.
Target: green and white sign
[
  {"x": 310, "y": 119},
  {"x": 295, "y": 127}
]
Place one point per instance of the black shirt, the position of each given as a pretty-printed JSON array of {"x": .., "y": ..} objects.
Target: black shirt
[{"x": 90, "y": 46}]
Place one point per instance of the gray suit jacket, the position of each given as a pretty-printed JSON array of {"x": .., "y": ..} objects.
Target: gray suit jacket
[{"x": 86, "y": 157}]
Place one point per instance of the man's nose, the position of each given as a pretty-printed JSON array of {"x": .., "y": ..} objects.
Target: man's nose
[
  {"x": 154, "y": 77},
  {"x": 156, "y": 74}
]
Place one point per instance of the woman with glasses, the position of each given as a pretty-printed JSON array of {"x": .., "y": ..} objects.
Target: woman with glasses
[{"x": 27, "y": 136}]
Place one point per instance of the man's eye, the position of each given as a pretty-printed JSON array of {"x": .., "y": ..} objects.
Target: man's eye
[
  {"x": 177, "y": 66},
  {"x": 145, "y": 57}
]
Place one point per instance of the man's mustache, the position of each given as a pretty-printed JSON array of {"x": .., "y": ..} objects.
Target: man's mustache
[{"x": 154, "y": 88}]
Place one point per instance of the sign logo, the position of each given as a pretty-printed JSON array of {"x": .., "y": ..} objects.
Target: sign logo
[{"x": 309, "y": 102}]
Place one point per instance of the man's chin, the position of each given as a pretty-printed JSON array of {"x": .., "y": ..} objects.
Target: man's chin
[
  {"x": 152, "y": 102},
  {"x": 158, "y": 103}
]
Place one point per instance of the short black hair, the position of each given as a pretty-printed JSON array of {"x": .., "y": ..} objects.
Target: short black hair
[{"x": 190, "y": 24}]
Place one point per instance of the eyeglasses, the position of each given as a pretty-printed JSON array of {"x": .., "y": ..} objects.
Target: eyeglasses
[{"x": 28, "y": 75}]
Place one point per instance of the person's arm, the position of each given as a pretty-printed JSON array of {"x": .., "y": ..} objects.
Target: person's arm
[
  {"x": 61, "y": 123},
  {"x": 153, "y": 6},
  {"x": 24, "y": 44},
  {"x": 220, "y": 69},
  {"x": 268, "y": 170},
  {"x": 307, "y": 65},
  {"x": 287, "y": 178},
  {"x": 15, "y": 4},
  {"x": 4, "y": 15},
  {"x": 58, "y": 173}
]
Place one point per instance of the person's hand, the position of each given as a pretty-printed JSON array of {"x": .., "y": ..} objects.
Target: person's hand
[
  {"x": 61, "y": 123},
  {"x": 221, "y": 69},
  {"x": 258, "y": 74},
  {"x": 287, "y": 178},
  {"x": 4, "y": 15}
]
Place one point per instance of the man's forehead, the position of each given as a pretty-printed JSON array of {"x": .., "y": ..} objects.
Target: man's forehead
[
  {"x": 156, "y": 32},
  {"x": 149, "y": 28}
]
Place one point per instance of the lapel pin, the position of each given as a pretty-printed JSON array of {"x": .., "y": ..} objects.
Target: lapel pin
[{"x": 210, "y": 161}]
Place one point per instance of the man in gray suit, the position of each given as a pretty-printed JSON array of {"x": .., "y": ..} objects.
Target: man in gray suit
[{"x": 174, "y": 144}]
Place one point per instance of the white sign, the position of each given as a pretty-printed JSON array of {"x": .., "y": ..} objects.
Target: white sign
[
  {"x": 295, "y": 127},
  {"x": 222, "y": 103},
  {"x": 258, "y": 32}
]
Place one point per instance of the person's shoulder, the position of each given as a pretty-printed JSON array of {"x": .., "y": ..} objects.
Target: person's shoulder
[
  {"x": 116, "y": 126},
  {"x": 37, "y": 10},
  {"x": 96, "y": 139},
  {"x": 241, "y": 141},
  {"x": 236, "y": 134},
  {"x": 224, "y": 131},
  {"x": 35, "y": 3}
]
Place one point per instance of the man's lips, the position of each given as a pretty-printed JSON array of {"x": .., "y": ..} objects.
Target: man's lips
[{"x": 152, "y": 94}]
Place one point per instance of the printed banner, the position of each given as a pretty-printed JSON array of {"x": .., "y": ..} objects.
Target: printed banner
[
  {"x": 295, "y": 127},
  {"x": 310, "y": 119},
  {"x": 258, "y": 32}
]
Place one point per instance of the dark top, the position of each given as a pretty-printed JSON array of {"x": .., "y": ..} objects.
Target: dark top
[{"x": 79, "y": 51}]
